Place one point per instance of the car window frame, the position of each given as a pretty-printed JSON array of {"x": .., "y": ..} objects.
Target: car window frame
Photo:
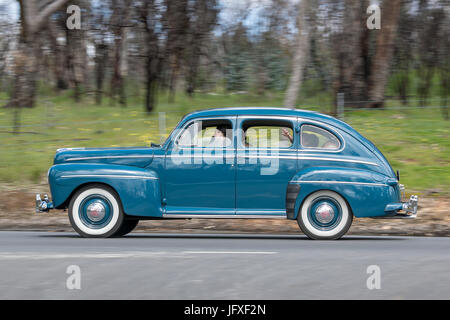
[
  {"x": 242, "y": 119},
  {"x": 324, "y": 127},
  {"x": 189, "y": 122}
]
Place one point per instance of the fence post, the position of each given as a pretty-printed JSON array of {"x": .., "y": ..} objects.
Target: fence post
[
  {"x": 340, "y": 105},
  {"x": 162, "y": 126}
]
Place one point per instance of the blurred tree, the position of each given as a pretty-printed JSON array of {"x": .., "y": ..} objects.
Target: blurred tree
[
  {"x": 430, "y": 20},
  {"x": 351, "y": 47},
  {"x": 119, "y": 25},
  {"x": 381, "y": 61},
  {"x": 177, "y": 24},
  {"x": 403, "y": 54},
  {"x": 148, "y": 15},
  {"x": 57, "y": 39},
  {"x": 300, "y": 57},
  {"x": 76, "y": 54},
  {"x": 33, "y": 16},
  {"x": 5, "y": 43},
  {"x": 202, "y": 20}
]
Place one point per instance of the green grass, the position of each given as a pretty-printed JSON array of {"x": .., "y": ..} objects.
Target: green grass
[{"x": 415, "y": 141}]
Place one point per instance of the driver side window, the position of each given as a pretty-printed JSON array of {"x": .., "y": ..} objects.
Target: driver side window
[{"x": 207, "y": 134}]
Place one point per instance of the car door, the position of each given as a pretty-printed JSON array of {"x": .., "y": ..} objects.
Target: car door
[
  {"x": 266, "y": 165},
  {"x": 199, "y": 176}
]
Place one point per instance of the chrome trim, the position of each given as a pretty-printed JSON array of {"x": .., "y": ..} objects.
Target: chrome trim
[
  {"x": 338, "y": 160},
  {"x": 254, "y": 149},
  {"x": 251, "y": 156},
  {"x": 108, "y": 176},
  {"x": 259, "y": 212},
  {"x": 43, "y": 205},
  {"x": 108, "y": 157},
  {"x": 342, "y": 182},
  {"x": 96, "y": 211},
  {"x": 199, "y": 155},
  {"x": 411, "y": 206},
  {"x": 224, "y": 216},
  {"x": 269, "y": 117},
  {"x": 324, "y": 213}
]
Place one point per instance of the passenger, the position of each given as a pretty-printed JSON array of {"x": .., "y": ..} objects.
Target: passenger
[
  {"x": 220, "y": 139},
  {"x": 285, "y": 132},
  {"x": 310, "y": 140}
]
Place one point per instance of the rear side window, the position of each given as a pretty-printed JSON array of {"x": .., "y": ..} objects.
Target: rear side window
[
  {"x": 313, "y": 137},
  {"x": 266, "y": 133}
]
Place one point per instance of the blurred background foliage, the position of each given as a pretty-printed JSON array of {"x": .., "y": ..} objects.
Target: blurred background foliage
[{"x": 106, "y": 83}]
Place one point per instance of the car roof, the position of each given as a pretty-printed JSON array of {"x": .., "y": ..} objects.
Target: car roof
[{"x": 270, "y": 111}]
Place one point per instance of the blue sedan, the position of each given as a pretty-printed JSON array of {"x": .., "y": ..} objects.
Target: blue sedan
[{"x": 232, "y": 163}]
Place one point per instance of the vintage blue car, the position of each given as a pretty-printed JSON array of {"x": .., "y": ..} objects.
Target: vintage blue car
[{"x": 231, "y": 163}]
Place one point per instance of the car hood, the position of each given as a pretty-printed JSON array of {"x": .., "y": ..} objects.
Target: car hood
[{"x": 137, "y": 156}]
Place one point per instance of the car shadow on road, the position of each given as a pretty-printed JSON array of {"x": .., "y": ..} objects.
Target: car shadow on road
[{"x": 230, "y": 236}]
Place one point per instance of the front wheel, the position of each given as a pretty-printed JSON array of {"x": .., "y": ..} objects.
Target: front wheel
[
  {"x": 95, "y": 211},
  {"x": 324, "y": 215}
]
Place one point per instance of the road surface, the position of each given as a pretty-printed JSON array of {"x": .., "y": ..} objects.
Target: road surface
[{"x": 35, "y": 265}]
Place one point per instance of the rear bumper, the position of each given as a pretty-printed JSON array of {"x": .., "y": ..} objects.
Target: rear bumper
[{"x": 402, "y": 210}]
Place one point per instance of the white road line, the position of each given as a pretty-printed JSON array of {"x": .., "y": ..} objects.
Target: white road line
[
  {"x": 45, "y": 256},
  {"x": 230, "y": 252},
  {"x": 166, "y": 254}
]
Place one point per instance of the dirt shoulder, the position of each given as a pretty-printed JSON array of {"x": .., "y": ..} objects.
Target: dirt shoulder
[{"x": 17, "y": 213}]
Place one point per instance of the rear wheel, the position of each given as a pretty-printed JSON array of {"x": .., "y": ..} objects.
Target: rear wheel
[
  {"x": 95, "y": 211},
  {"x": 325, "y": 215},
  {"x": 126, "y": 227}
]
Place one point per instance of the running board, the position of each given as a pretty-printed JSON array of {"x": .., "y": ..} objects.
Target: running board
[{"x": 221, "y": 216}]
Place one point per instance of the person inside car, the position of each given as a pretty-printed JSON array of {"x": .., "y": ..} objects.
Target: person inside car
[{"x": 220, "y": 139}]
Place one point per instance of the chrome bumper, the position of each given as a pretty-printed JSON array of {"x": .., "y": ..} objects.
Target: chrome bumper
[
  {"x": 43, "y": 205},
  {"x": 408, "y": 209}
]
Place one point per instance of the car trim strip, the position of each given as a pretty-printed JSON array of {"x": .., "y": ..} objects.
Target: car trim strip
[
  {"x": 223, "y": 216},
  {"x": 109, "y": 157},
  {"x": 342, "y": 182},
  {"x": 108, "y": 176}
]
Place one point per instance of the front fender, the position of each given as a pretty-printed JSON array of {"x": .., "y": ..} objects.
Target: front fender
[
  {"x": 367, "y": 192},
  {"x": 139, "y": 189}
]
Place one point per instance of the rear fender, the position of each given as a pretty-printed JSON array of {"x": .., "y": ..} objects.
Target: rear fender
[{"x": 366, "y": 192}]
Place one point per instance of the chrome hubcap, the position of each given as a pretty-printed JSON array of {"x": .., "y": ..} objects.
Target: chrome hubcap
[
  {"x": 324, "y": 213},
  {"x": 96, "y": 211}
]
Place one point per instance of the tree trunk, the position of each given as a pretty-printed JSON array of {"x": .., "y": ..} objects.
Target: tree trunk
[
  {"x": 380, "y": 66},
  {"x": 174, "y": 67},
  {"x": 101, "y": 57},
  {"x": 119, "y": 21},
  {"x": 352, "y": 49},
  {"x": 26, "y": 65},
  {"x": 151, "y": 84},
  {"x": 300, "y": 56},
  {"x": 25, "y": 69},
  {"x": 59, "y": 70}
]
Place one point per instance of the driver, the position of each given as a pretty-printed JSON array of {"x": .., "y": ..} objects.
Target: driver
[{"x": 220, "y": 139}]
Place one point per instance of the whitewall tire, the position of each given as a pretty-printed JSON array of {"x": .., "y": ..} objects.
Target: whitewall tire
[
  {"x": 96, "y": 211},
  {"x": 325, "y": 215}
]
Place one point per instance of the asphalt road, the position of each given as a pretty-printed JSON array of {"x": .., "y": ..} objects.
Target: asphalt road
[{"x": 33, "y": 265}]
